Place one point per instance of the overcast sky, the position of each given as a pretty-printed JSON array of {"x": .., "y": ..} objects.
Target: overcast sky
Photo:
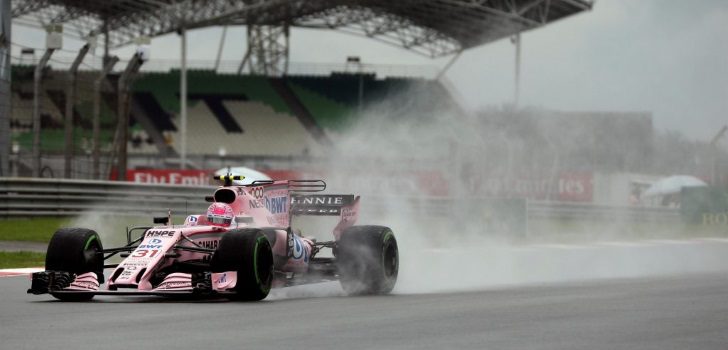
[{"x": 668, "y": 57}]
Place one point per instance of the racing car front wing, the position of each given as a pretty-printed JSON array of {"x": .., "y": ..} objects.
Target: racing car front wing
[{"x": 61, "y": 282}]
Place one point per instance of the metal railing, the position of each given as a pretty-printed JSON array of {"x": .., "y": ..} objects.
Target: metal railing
[
  {"x": 53, "y": 197},
  {"x": 59, "y": 197},
  {"x": 566, "y": 210}
]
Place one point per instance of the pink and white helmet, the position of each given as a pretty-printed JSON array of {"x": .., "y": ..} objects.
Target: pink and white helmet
[{"x": 220, "y": 214}]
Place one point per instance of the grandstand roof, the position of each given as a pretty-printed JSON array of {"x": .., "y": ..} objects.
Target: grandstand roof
[{"x": 430, "y": 27}]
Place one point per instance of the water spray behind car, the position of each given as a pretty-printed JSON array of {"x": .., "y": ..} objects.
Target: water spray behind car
[{"x": 413, "y": 163}]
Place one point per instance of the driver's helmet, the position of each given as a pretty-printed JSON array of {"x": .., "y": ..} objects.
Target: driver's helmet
[{"x": 220, "y": 214}]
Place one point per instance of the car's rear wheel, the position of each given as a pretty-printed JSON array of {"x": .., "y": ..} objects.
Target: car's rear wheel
[
  {"x": 249, "y": 253},
  {"x": 75, "y": 250},
  {"x": 367, "y": 260}
]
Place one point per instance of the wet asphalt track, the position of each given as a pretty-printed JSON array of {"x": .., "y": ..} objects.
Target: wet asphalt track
[{"x": 677, "y": 312}]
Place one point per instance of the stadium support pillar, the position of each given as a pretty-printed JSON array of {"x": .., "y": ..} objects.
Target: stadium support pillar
[
  {"x": 37, "y": 77},
  {"x": 183, "y": 100},
  {"x": 122, "y": 129},
  {"x": 70, "y": 102},
  {"x": 449, "y": 64},
  {"x": 219, "y": 49},
  {"x": 267, "y": 52},
  {"x": 98, "y": 84}
]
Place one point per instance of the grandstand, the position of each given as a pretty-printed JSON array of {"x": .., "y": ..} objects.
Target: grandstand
[
  {"x": 53, "y": 101},
  {"x": 265, "y": 113},
  {"x": 240, "y": 114}
]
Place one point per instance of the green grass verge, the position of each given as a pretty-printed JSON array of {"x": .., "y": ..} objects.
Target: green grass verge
[
  {"x": 30, "y": 230},
  {"x": 9, "y": 260},
  {"x": 111, "y": 228}
]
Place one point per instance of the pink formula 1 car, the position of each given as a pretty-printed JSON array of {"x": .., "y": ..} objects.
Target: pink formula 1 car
[{"x": 242, "y": 247}]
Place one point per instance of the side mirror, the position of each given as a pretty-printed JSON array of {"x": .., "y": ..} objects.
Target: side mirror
[{"x": 160, "y": 220}]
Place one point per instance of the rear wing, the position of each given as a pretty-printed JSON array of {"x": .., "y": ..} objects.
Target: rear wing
[
  {"x": 295, "y": 186},
  {"x": 306, "y": 185},
  {"x": 323, "y": 204}
]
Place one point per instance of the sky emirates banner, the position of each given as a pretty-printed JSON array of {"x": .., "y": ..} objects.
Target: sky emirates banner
[
  {"x": 565, "y": 186},
  {"x": 171, "y": 176}
]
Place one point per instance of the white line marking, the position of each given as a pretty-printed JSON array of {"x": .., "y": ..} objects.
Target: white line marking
[
  {"x": 716, "y": 240},
  {"x": 19, "y": 272}
]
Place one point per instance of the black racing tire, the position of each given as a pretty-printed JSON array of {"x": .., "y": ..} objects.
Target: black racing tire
[
  {"x": 249, "y": 253},
  {"x": 75, "y": 250},
  {"x": 367, "y": 259}
]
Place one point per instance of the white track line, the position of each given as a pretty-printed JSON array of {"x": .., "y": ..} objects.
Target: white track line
[
  {"x": 595, "y": 245},
  {"x": 19, "y": 272},
  {"x": 527, "y": 247},
  {"x": 714, "y": 240}
]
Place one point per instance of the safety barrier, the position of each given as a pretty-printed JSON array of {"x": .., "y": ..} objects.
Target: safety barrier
[
  {"x": 56, "y": 197},
  {"x": 566, "y": 210},
  {"x": 53, "y": 197}
]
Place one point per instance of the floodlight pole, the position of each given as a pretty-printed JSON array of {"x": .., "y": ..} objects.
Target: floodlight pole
[
  {"x": 70, "y": 92},
  {"x": 5, "y": 82},
  {"x": 105, "y": 31},
  {"x": 517, "y": 85},
  {"x": 183, "y": 101},
  {"x": 123, "y": 112},
  {"x": 98, "y": 83},
  {"x": 37, "y": 77}
]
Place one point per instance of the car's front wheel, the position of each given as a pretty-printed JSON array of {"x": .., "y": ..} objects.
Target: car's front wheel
[
  {"x": 249, "y": 253},
  {"x": 75, "y": 250}
]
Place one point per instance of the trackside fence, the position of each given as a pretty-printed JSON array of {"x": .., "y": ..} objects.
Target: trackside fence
[
  {"x": 566, "y": 210},
  {"x": 22, "y": 197},
  {"x": 53, "y": 197}
]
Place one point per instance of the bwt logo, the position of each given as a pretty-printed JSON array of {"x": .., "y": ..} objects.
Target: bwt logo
[{"x": 276, "y": 205}]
